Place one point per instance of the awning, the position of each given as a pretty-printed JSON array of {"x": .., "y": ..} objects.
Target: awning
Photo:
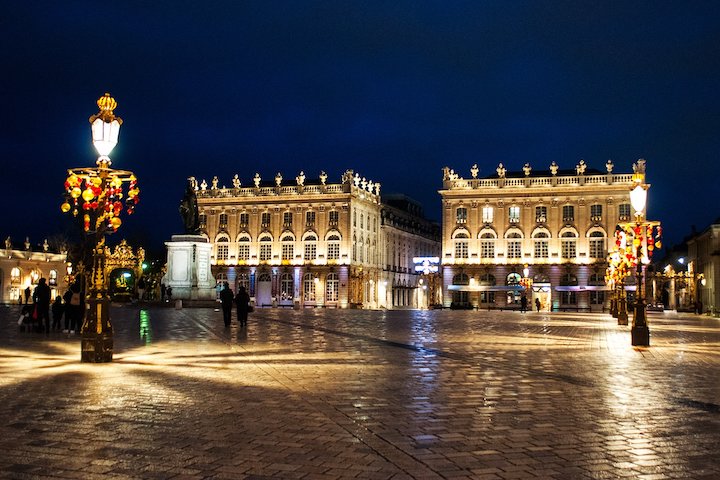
[
  {"x": 486, "y": 288},
  {"x": 582, "y": 288}
]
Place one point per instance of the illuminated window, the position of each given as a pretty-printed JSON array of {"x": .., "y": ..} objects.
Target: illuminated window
[
  {"x": 223, "y": 249},
  {"x": 223, "y": 220},
  {"x": 52, "y": 278},
  {"x": 244, "y": 247},
  {"x": 487, "y": 296},
  {"x": 202, "y": 220},
  {"x": 568, "y": 245},
  {"x": 309, "y": 287},
  {"x": 265, "y": 247},
  {"x": 513, "y": 279},
  {"x": 265, "y": 220},
  {"x": 309, "y": 219},
  {"x": 541, "y": 245},
  {"x": 288, "y": 247},
  {"x": 487, "y": 214},
  {"x": 461, "y": 245},
  {"x": 332, "y": 284},
  {"x": 287, "y": 219},
  {"x": 334, "y": 218},
  {"x": 310, "y": 247},
  {"x": 568, "y": 213},
  {"x": 487, "y": 245},
  {"x": 624, "y": 212},
  {"x": 286, "y": 286},
  {"x": 514, "y": 215},
  {"x": 461, "y": 215},
  {"x": 15, "y": 275},
  {"x": 244, "y": 220},
  {"x": 597, "y": 245},
  {"x": 514, "y": 245},
  {"x": 333, "y": 247},
  {"x": 596, "y": 212},
  {"x": 541, "y": 214},
  {"x": 460, "y": 297}
]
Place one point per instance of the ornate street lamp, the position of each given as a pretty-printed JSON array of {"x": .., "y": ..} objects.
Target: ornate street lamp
[
  {"x": 646, "y": 236},
  {"x": 97, "y": 195}
]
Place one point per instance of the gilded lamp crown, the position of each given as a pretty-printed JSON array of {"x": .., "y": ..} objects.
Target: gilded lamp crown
[{"x": 107, "y": 103}]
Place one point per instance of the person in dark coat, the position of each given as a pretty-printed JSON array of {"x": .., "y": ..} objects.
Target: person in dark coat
[
  {"x": 537, "y": 304},
  {"x": 74, "y": 308},
  {"x": 57, "y": 312},
  {"x": 242, "y": 302},
  {"x": 226, "y": 300},
  {"x": 523, "y": 303},
  {"x": 27, "y": 295},
  {"x": 41, "y": 298}
]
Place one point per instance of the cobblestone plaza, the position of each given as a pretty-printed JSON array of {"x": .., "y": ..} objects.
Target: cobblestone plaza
[{"x": 331, "y": 394}]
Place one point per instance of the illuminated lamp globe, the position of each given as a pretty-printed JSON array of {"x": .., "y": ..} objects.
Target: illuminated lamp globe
[
  {"x": 105, "y": 126},
  {"x": 75, "y": 192},
  {"x": 88, "y": 195},
  {"x": 65, "y": 207},
  {"x": 116, "y": 222},
  {"x": 638, "y": 198}
]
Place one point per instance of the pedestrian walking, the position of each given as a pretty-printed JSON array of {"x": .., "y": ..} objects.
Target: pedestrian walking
[
  {"x": 73, "y": 308},
  {"x": 242, "y": 303},
  {"x": 57, "y": 312},
  {"x": 27, "y": 295},
  {"x": 537, "y": 304},
  {"x": 226, "y": 301},
  {"x": 41, "y": 298},
  {"x": 523, "y": 304}
]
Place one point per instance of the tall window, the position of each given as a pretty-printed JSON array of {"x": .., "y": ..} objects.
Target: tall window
[
  {"x": 287, "y": 219},
  {"x": 223, "y": 220},
  {"x": 286, "y": 286},
  {"x": 15, "y": 275},
  {"x": 362, "y": 221},
  {"x": 202, "y": 220},
  {"x": 568, "y": 245},
  {"x": 514, "y": 215},
  {"x": 333, "y": 247},
  {"x": 309, "y": 287},
  {"x": 332, "y": 284},
  {"x": 309, "y": 219},
  {"x": 310, "y": 247},
  {"x": 512, "y": 279},
  {"x": 334, "y": 218},
  {"x": 487, "y": 245},
  {"x": 461, "y": 215},
  {"x": 568, "y": 298},
  {"x": 223, "y": 248},
  {"x": 541, "y": 245},
  {"x": 265, "y": 220},
  {"x": 244, "y": 247},
  {"x": 596, "y": 212},
  {"x": 461, "y": 245},
  {"x": 541, "y": 214},
  {"x": 487, "y": 214},
  {"x": 624, "y": 212},
  {"x": 52, "y": 278},
  {"x": 288, "y": 247},
  {"x": 597, "y": 245},
  {"x": 487, "y": 296},
  {"x": 514, "y": 245},
  {"x": 568, "y": 213},
  {"x": 459, "y": 296},
  {"x": 265, "y": 248},
  {"x": 244, "y": 220}
]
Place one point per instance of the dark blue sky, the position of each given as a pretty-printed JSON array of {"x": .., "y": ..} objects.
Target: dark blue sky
[{"x": 395, "y": 90}]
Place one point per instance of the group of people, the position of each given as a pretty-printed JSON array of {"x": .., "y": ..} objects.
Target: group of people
[
  {"x": 69, "y": 307},
  {"x": 242, "y": 303},
  {"x": 524, "y": 304}
]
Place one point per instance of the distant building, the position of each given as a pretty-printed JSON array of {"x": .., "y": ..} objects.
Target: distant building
[
  {"x": 310, "y": 243},
  {"x": 704, "y": 262},
  {"x": 554, "y": 223},
  {"x": 23, "y": 267}
]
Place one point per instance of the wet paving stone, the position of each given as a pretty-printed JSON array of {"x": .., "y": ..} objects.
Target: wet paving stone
[{"x": 336, "y": 394}]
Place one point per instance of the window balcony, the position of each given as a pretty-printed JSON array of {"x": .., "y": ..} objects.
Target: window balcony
[
  {"x": 513, "y": 220},
  {"x": 568, "y": 219},
  {"x": 541, "y": 219},
  {"x": 596, "y": 218}
]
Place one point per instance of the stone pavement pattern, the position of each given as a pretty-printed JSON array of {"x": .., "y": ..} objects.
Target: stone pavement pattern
[{"x": 335, "y": 394}]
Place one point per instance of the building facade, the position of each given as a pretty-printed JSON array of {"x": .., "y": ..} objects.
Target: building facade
[
  {"x": 704, "y": 267},
  {"x": 541, "y": 235},
  {"x": 298, "y": 243},
  {"x": 22, "y": 268},
  {"x": 406, "y": 237}
]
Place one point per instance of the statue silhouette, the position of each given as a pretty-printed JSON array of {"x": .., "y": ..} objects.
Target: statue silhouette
[{"x": 189, "y": 209}]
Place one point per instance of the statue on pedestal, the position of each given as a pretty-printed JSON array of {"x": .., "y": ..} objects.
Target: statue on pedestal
[{"x": 189, "y": 210}]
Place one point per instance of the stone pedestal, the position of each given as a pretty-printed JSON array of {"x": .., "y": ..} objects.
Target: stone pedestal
[{"x": 188, "y": 268}]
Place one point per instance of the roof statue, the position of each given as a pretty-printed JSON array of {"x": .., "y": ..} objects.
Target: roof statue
[{"x": 189, "y": 209}]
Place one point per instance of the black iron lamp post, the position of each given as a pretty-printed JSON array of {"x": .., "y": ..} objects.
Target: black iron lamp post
[{"x": 97, "y": 195}]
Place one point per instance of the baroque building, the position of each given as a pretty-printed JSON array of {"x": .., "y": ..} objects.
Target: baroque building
[
  {"x": 542, "y": 235},
  {"x": 21, "y": 268}
]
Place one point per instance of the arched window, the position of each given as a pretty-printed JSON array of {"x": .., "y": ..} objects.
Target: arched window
[
  {"x": 568, "y": 279},
  {"x": 264, "y": 277},
  {"x": 52, "y": 278},
  {"x": 461, "y": 244},
  {"x": 568, "y": 244},
  {"x": 15, "y": 275},
  {"x": 487, "y": 245},
  {"x": 596, "y": 279},
  {"x": 265, "y": 247},
  {"x": 309, "y": 287},
  {"x": 513, "y": 278},
  {"x": 460, "y": 297},
  {"x": 333, "y": 246},
  {"x": 243, "y": 246},
  {"x": 223, "y": 249},
  {"x": 514, "y": 244},
  {"x": 288, "y": 247},
  {"x": 487, "y": 279},
  {"x": 540, "y": 241},
  {"x": 287, "y": 286},
  {"x": 568, "y": 297},
  {"x": 310, "y": 240},
  {"x": 596, "y": 244},
  {"x": 486, "y": 296},
  {"x": 461, "y": 279},
  {"x": 332, "y": 284}
]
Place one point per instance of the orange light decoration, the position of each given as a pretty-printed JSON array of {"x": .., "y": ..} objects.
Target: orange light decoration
[{"x": 97, "y": 192}]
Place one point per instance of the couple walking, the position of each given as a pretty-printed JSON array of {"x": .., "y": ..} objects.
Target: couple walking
[{"x": 242, "y": 302}]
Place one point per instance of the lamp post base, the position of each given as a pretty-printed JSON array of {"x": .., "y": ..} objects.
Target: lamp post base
[
  {"x": 96, "y": 335},
  {"x": 640, "y": 336},
  {"x": 622, "y": 317}
]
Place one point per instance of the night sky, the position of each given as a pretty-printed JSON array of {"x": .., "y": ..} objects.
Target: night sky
[{"x": 394, "y": 90}]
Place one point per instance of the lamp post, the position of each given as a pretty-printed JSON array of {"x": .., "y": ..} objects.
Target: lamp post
[
  {"x": 646, "y": 235},
  {"x": 96, "y": 195}
]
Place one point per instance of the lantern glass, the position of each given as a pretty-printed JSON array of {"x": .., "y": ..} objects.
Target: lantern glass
[
  {"x": 638, "y": 199},
  {"x": 105, "y": 135}
]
